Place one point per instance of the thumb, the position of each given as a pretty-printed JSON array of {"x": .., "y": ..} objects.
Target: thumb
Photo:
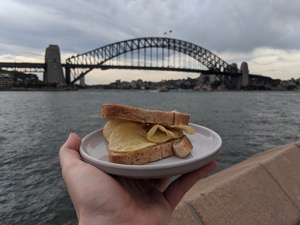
[
  {"x": 69, "y": 152},
  {"x": 73, "y": 142}
]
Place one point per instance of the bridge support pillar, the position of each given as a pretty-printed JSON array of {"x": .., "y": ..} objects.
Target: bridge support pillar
[
  {"x": 54, "y": 72},
  {"x": 68, "y": 75},
  {"x": 243, "y": 80},
  {"x": 245, "y": 74},
  {"x": 82, "y": 81}
]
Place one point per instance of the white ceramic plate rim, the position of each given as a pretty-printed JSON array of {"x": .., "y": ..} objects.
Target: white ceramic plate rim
[{"x": 119, "y": 169}]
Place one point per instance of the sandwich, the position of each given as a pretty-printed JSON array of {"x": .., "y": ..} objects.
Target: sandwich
[{"x": 139, "y": 136}]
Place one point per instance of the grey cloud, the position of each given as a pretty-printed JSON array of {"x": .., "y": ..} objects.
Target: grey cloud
[
  {"x": 223, "y": 25},
  {"x": 246, "y": 25}
]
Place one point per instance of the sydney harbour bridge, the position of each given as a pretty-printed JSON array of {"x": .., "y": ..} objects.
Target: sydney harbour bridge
[{"x": 150, "y": 53}]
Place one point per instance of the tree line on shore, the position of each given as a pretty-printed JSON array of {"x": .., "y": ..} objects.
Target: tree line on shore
[{"x": 203, "y": 82}]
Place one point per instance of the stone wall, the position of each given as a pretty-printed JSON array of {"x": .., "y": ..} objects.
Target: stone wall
[{"x": 263, "y": 190}]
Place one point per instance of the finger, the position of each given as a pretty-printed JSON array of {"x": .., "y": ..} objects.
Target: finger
[
  {"x": 163, "y": 183},
  {"x": 73, "y": 142},
  {"x": 69, "y": 152},
  {"x": 175, "y": 192}
]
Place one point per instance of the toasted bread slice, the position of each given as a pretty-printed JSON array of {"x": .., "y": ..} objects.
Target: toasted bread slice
[
  {"x": 116, "y": 111},
  {"x": 182, "y": 147},
  {"x": 153, "y": 153},
  {"x": 142, "y": 156}
]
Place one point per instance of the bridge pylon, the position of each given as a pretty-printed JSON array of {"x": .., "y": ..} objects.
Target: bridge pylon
[
  {"x": 245, "y": 74},
  {"x": 243, "y": 80},
  {"x": 53, "y": 72}
]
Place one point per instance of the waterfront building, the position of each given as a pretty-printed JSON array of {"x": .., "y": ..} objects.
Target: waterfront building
[{"x": 6, "y": 82}]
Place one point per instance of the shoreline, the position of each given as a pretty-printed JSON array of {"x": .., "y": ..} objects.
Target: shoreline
[
  {"x": 39, "y": 89},
  {"x": 130, "y": 89}
]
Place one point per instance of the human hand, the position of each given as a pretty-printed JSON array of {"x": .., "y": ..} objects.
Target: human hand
[{"x": 100, "y": 198}]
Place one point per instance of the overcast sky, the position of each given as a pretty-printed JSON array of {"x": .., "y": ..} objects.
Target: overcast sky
[{"x": 264, "y": 33}]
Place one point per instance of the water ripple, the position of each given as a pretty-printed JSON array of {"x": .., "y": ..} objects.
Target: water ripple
[{"x": 35, "y": 124}]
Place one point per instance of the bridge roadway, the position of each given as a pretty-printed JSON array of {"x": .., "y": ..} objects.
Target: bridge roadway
[
  {"x": 41, "y": 67},
  {"x": 23, "y": 65},
  {"x": 106, "y": 67}
]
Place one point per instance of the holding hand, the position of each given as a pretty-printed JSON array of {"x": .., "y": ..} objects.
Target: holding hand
[{"x": 100, "y": 198}]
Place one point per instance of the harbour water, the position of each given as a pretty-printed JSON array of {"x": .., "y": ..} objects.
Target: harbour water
[{"x": 33, "y": 126}]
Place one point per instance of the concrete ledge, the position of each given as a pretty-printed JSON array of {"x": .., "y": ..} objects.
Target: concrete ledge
[{"x": 262, "y": 190}]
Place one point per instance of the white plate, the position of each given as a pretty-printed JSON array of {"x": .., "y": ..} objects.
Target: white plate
[{"x": 206, "y": 148}]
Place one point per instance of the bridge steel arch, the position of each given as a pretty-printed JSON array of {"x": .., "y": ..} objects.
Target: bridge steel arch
[{"x": 78, "y": 66}]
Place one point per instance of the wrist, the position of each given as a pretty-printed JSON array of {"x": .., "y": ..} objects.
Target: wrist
[
  {"x": 92, "y": 221},
  {"x": 89, "y": 222}
]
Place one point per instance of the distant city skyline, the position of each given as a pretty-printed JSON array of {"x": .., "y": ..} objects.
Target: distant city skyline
[{"x": 265, "y": 35}]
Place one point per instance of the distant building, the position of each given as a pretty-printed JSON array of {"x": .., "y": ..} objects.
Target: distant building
[
  {"x": 6, "y": 82},
  {"x": 134, "y": 84}
]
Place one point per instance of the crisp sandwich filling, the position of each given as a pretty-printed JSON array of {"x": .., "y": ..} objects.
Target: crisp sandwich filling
[{"x": 127, "y": 136}]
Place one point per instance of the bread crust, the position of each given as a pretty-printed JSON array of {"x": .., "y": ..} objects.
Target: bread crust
[
  {"x": 143, "y": 156},
  {"x": 182, "y": 147},
  {"x": 116, "y": 111},
  {"x": 153, "y": 153}
]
